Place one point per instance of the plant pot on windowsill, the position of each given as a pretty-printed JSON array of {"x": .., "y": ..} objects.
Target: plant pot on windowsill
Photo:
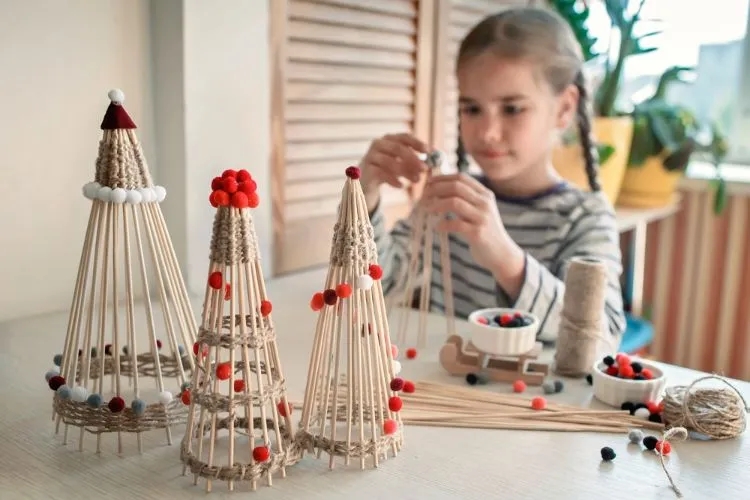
[{"x": 613, "y": 136}]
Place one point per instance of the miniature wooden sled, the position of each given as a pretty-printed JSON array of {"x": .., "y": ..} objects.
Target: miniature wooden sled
[{"x": 460, "y": 360}]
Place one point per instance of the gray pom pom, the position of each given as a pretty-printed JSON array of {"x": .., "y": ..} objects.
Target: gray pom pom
[
  {"x": 635, "y": 436},
  {"x": 548, "y": 387}
]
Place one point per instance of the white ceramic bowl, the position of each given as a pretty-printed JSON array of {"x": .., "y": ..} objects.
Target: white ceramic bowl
[
  {"x": 502, "y": 341},
  {"x": 615, "y": 391}
]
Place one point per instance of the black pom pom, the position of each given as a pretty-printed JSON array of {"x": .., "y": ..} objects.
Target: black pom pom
[
  {"x": 655, "y": 417},
  {"x": 559, "y": 385},
  {"x": 639, "y": 377},
  {"x": 590, "y": 379},
  {"x": 609, "y": 360},
  {"x": 637, "y": 367},
  {"x": 608, "y": 453},
  {"x": 471, "y": 378},
  {"x": 650, "y": 442},
  {"x": 641, "y": 405},
  {"x": 627, "y": 405}
]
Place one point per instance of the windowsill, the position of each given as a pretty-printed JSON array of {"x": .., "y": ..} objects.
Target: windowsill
[{"x": 732, "y": 172}]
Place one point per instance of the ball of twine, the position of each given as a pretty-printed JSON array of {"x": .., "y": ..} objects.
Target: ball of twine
[{"x": 717, "y": 413}]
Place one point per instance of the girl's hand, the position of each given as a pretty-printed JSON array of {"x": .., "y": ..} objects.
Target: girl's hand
[
  {"x": 478, "y": 221},
  {"x": 390, "y": 158}
]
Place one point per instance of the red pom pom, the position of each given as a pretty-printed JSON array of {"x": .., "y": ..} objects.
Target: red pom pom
[
  {"x": 397, "y": 384},
  {"x": 239, "y": 385},
  {"x": 409, "y": 387},
  {"x": 353, "y": 172},
  {"x": 158, "y": 344},
  {"x": 626, "y": 371},
  {"x": 518, "y": 314},
  {"x": 622, "y": 359},
  {"x": 221, "y": 198},
  {"x": 230, "y": 185},
  {"x": 343, "y": 290},
  {"x": 223, "y": 371},
  {"x": 394, "y": 351},
  {"x": 505, "y": 319},
  {"x": 248, "y": 187},
  {"x": 116, "y": 404},
  {"x": 664, "y": 447},
  {"x": 329, "y": 296},
  {"x": 538, "y": 403},
  {"x": 395, "y": 403},
  {"x": 317, "y": 302},
  {"x": 55, "y": 382},
  {"x": 227, "y": 292},
  {"x": 390, "y": 426},
  {"x": 212, "y": 199},
  {"x": 376, "y": 272},
  {"x": 266, "y": 307},
  {"x": 483, "y": 321},
  {"x": 217, "y": 184},
  {"x": 214, "y": 280},
  {"x": 647, "y": 374},
  {"x": 185, "y": 397},
  {"x": 239, "y": 200},
  {"x": 661, "y": 407},
  {"x": 519, "y": 386},
  {"x": 243, "y": 175},
  {"x": 612, "y": 370},
  {"x": 652, "y": 407},
  {"x": 284, "y": 409},
  {"x": 229, "y": 173},
  {"x": 196, "y": 348},
  {"x": 411, "y": 353},
  {"x": 261, "y": 453},
  {"x": 253, "y": 200}
]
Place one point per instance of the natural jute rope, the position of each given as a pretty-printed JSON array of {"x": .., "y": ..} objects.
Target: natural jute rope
[
  {"x": 121, "y": 162},
  {"x": 232, "y": 241},
  {"x": 581, "y": 318}
]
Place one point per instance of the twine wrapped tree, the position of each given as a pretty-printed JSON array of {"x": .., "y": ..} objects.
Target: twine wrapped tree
[
  {"x": 119, "y": 366},
  {"x": 239, "y": 427},
  {"x": 419, "y": 271},
  {"x": 351, "y": 407}
]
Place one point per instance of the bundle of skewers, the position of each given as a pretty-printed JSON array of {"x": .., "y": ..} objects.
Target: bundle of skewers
[{"x": 441, "y": 405}]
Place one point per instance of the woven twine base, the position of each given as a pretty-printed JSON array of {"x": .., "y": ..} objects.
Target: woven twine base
[
  {"x": 102, "y": 420},
  {"x": 243, "y": 471}
]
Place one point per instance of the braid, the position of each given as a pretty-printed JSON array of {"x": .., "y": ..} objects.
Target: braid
[
  {"x": 586, "y": 133},
  {"x": 461, "y": 163}
]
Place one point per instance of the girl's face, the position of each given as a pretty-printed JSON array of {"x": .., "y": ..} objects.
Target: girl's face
[{"x": 510, "y": 117}]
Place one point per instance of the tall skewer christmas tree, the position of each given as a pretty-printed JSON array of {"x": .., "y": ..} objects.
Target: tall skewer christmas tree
[
  {"x": 351, "y": 406},
  {"x": 239, "y": 427},
  {"x": 127, "y": 257},
  {"x": 420, "y": 269}
]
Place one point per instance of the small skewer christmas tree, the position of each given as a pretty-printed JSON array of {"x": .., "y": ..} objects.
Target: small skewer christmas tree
[
  {"x": 423, "y": 253},
  {"x": 351, "y": 407},
  {"x": 127, "y": 256},
  {"x": 239, "y": 427}
]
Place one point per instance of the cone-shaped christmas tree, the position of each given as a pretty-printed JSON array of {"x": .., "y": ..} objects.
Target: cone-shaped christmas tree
[
  {"x": 419, "y": 271},
  {"x": 130, "y": 319},
  {"x": 239, "y": 427},
  {"x": 351, "y": 404}
]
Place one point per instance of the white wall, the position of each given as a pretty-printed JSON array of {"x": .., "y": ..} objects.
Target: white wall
[
  {"x": 196, "y": 80},
  {"x": 57, "y": 62}
]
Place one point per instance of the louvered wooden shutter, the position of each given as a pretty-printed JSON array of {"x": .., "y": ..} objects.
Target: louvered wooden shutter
[
  {"x": 345, "y": 72},
  {"x": 454, "y": 20}
]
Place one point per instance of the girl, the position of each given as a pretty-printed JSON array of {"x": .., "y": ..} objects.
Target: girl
[{"x": 513, "y": 229}]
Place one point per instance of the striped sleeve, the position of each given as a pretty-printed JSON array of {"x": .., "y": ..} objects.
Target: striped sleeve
[
  {"x": 394, "y": 249},
  {"x": 593, "y": 235}
]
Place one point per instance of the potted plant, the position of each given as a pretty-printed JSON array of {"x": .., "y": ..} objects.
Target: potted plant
[
  {"x": 612, "y": 128},
  {"x": 665, "y": 137}
]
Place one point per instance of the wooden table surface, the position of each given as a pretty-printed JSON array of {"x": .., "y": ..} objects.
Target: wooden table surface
[{"x": 435, "y": 463}]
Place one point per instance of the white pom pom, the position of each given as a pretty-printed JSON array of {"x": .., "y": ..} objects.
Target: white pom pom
[
  {"x": 79, "y": 394},
  {"x": 147, "y": 195},
  {"x": 118, "y": 195},
  {"x": 642, "y": 413},
  {"x": 165, "y": 397},
  {"x": 364, "y": 282},
  {"x": 90, "y": 190},
  {"x": 396, "y": 367},
  {"x": 160, "y": 192},
  {"x": 133, "y": 197},
  {"x": 105, "y": 193},
  {"x": 117, "y": 96}
]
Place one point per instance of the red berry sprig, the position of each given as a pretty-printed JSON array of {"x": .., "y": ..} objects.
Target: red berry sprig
[{"x": 234, "y": 188}]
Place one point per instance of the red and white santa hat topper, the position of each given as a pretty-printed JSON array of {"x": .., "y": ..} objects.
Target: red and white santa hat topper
[{"x": 116, "y": 117}]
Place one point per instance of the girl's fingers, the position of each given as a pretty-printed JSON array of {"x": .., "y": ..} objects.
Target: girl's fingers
[
  {"x": 380, "y": 167},
  {"x": 410, "y": 141},
  {"x": 405, "y": 160},
  {"x": 458, "y": 206},
  {"x": 445, "y": 188},
  {"x": 454, "y": 226}
]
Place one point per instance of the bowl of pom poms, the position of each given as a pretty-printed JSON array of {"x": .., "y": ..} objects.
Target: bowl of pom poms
[
  {"x": 503, "y": 332},
  {"x": 620, "y": 379}
]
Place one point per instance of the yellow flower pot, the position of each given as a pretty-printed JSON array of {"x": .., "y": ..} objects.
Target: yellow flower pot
[
  {"x": 613, "y": 131},
  {"x": 649, "y": 185}
]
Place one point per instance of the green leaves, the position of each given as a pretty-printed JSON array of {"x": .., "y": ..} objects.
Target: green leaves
[
  {"x": 605, "y": 151},
  {"x": 720, "y": 195},
  {"x": 576, "y": 13}
]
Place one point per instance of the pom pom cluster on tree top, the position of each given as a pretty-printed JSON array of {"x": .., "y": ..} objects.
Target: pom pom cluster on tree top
[
  {"x": 621, "y": 366},
  {"x": 344, "y": 290},
  {"x": 234, "y": 188}
]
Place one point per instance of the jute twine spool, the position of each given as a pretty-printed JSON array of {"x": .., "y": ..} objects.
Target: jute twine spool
[{"x": 581, "y": 318}]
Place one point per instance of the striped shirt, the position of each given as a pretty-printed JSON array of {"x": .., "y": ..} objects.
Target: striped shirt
[{"x": 551, "y": 228}]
